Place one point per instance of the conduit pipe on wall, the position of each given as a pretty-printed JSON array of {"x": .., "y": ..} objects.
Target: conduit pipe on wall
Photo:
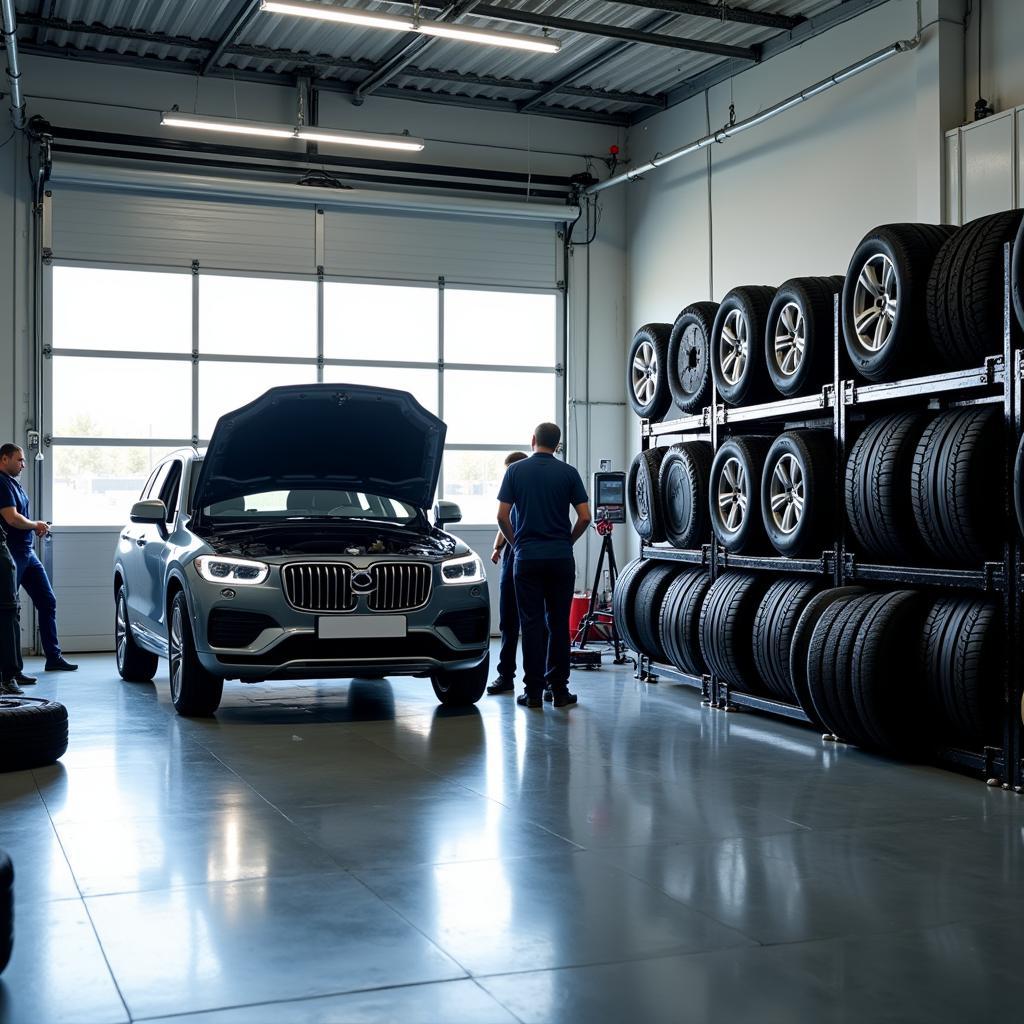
[
  {"x": 13, "y": 71},
  {"x": 727, "y": 132}
]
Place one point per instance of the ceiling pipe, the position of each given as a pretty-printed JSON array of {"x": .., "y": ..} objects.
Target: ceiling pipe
[
  {"x": 728, "y": 131},
  {"x": 13, "y": 71}
]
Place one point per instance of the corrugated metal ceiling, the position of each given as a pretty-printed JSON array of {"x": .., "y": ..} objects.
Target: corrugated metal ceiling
[{"x": 632, "y": 78}]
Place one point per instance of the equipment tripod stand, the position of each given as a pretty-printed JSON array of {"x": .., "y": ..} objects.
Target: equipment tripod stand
[{"x": 602, "y": 619}]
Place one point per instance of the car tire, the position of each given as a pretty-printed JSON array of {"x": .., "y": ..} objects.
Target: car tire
[
  {"x": 647, "y": 372},
  {"x": 1017, "y": 275},
  {"x": 679, "y": 629},
  {"x": 774, "y": 627},
  {"x": 801, "y": 643},
  {"x": 689, "y": 357},
  {"x": 955, "y": 485},
  {"x": 33, "y": 732},
  {"x": 460, "y": 688},
  {"x": 884, "y": 300},
  {"x": 6, "y": 910},
  {"x": 799, "y": 335},
  {"x": 683, "y": 488},
  {"x": 965, "y": 290},
  {"x": 737, "y": 345},
  {"x": 734, "y": 493},
  {"x": 134, "y": 665},
  {"x": 649, "y": 599},
  {"x": 1018, "y": 486},
  {"x": 797, "y": 492},
  {"x": 644, "y": 495},
  {"x": 195, "y": 693},
  {"x": 624, "y": 601},
  {"x": 727, "y": 628},
  {"x": 877, "y": 492}
]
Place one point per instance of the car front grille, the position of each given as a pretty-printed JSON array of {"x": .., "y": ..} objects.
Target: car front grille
[{"x": 327, "y": 586}]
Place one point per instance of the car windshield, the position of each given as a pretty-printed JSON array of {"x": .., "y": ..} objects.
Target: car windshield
[{"x": 302, "y": 504}]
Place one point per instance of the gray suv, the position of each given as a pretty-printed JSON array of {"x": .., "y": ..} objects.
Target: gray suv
[{"x": 298, "y": 547}]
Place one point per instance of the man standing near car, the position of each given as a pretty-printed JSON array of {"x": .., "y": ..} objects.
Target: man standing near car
[
  {"x": 14, "y": 509},
  {"x": 11, "y": 674},
  {"x": 540, "y": 490}
]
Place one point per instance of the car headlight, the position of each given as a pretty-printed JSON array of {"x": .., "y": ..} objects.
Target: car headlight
[
  {"x": 467, "y": 569},
  {"x": 239, "y": 571}
]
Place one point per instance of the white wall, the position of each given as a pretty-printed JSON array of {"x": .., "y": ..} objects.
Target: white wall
[{"x": 1002, "y": 55}]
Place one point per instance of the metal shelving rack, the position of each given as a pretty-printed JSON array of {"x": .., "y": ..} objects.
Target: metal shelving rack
[{"x": 1003, "y": 580}]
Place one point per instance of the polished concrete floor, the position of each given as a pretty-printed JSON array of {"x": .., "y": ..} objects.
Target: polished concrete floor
[{"x": 348, "y": 852}]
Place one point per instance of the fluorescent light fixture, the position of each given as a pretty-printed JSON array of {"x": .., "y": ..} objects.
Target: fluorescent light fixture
[
  {"x": 304, "y": 133},
  {"x": 371, "y": 19}
]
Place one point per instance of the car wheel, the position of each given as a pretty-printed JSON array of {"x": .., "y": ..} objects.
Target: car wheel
[
  {"x": 1018, "y": 486},
  {"x": 734, "y": 493},
  {"x": 727, "y": 628},
  {"x": 689, "y": 356},
  {"x": 797, "y": 490},
  {"x": 134, "y": 665},
  {"x": 737, "y": 345},
  {"x": 644, "y": 495},
  {"x": 1017, "y": 275},
  {"x": 624, "y": 601},
  {"x": 650, "y": 597},
  {"x": 798, "y": 340},
  {"x": 679, "y": 628},
  {"x": 647, "y": 371},
  {"x": 195, "y": 693},
  {"x": 461, "y": 687},
  {"x": 683, "y": 483},
  {"x": 6, "y": 909},
  {"x": 33, "y": 732},
  {"x": 774, "y": 628}
]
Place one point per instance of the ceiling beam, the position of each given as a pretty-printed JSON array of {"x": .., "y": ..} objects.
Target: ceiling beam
[
  {"x": 242, "y": 18},
  {"x": 719, "y": 12}
]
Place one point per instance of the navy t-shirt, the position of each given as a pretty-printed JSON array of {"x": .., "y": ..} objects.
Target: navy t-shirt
[
  {"x": 541, "y": 490},
  {"x": 12, "y": 495}
]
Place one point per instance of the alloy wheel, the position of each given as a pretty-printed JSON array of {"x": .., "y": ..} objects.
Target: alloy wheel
[
  {"x": 790, "y": 339},
  {"x": 787, "y": 494},
  {"x": 121, "y": 630},
  {"x": 735, "y": 345},
  {"x": 875, "y": 301},
  {"x": 176, "y": 652},
  {"x": 732, "y": 495},
  {"x": 645, "y": 373}
]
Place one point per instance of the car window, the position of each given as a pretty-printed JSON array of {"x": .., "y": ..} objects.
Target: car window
[
  {"x": 148, "y": 486},
  {"x": 156, "y": 481},
  {"x": 193, "y": 479},
  {"x": 307, "y": 504},
  {"x": 170, "y": 488}
]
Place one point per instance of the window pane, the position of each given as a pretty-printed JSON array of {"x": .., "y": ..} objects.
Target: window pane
[
  {"x": 471, "y": 480},
  {"x": 97, "y": 486},
  {"x": 495, "y": 407},
  {"x": 422, "y": 384},
  {"x": 499, "y": 327},
  {"x": 121, "y": 397},
  {"x": 227, "y": 386},
  {"x": 125, "y": 310},
  {"x": 378, "y": 321},
  {"x": 257, "y": 316}
]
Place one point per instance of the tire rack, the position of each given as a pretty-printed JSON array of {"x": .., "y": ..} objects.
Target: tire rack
[{"x": 988, "y": 384}]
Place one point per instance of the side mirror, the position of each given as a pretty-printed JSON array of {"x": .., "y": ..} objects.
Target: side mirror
[
  {"x": 446, "y": 512},
  {"x": 151, "y": 511}
]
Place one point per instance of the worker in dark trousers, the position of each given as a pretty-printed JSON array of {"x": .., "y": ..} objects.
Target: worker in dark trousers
[
  {"x": 11, "y": 672},
  {"x": 540, "y": 491},
  {"x": 508, "y": 612}
]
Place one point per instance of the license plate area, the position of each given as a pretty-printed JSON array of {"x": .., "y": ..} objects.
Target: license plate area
[{"x": 360, "y": 627}]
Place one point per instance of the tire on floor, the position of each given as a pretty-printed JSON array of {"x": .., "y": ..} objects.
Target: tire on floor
[{"x": 6, "y": 909}]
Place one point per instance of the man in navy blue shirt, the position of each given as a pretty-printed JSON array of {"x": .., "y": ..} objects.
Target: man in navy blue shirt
[
  {"x": 19, "y": 528},
  {"x": 541, "y": 490}
]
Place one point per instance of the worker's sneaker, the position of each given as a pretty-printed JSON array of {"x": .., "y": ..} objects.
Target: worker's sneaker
[
  {"x": 23, "y": 680},
  {"x": 501, "y": 686},
  {"x": 526, "y": 701},
  {"x": 564, "y": 699},
  {"x": 9, "y": 688},
  {"x": 60, "y": 664}
]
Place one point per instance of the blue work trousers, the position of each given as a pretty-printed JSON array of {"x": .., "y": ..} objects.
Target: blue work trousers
[
  {"x": 508, "y": 615},
  {"x": 544, "y": 593},
  {"x": 32, "y": 576}
]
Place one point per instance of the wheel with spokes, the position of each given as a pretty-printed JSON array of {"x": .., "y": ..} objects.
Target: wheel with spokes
[
  {"x": 195, "y": 693},
  {"x": 797, "y": 490},
  {"x": 884, "y": 300},
  {"x": 134, "y": 665},
  {"x": 647, "y": 371},
  {"x": 734, "y": 493},
  {"x": 798, "y": 339},
  {"x": 737, "y": 352}
]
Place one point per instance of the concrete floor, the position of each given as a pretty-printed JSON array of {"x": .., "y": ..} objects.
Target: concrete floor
[{"x": 348, "y": 852}]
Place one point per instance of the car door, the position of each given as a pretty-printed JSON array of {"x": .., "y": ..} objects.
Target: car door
[
  {"x": 134, "y": 539},
  {"x": 156, "y": 550}
]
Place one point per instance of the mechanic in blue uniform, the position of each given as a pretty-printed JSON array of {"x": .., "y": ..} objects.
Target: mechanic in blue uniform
[
  {"x": 11, "y": 667},
  {"x": 31, "y": 574},
  {"x": 541, "y": 490},
  {"x": 508, "y": 612}
]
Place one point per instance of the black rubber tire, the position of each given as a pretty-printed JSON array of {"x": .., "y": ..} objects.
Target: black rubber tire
[
  {"x": 774, "y": 627},
  {"x": 134, "y": 665},
  {"x": 962, "y": 671},
  {"x": 821, "y": 664},
  {"x": 689, "y": 357},
  {"x": 6, "y": 910},
  {"x": 33, "y": 732},
  {"x": 655, "y": 335},
  {"x": 624, "y": 603},
  {"x": 965, "y": 290},
  {"x": 1017, "y": 275},
  {"x": 195, "y": 693},
  {"x": 680, "y": 620},
  {"x": 1018, "y": 486},
  {"x": 644, "y": 496},
  {"x": 747, "y": 530},
  {"x": 727, "y": 628},
  {"x": 683, "y": 487},
  {"x": 814, "y": 455},
  {"x": 801, "y": 643},
  {"x": 752, "y": 303},
  {"x": 650, "y": 597},
  {"x": 877, "y": 487},
  {"x": 806, "y": 301},
  {"x": 461, "y": 687},
  {"x": 956, "y": 487},
  {"x": 905, "y": 352}
]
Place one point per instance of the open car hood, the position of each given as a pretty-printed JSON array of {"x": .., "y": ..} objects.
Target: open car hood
[{"x": 348, "y": 437}]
